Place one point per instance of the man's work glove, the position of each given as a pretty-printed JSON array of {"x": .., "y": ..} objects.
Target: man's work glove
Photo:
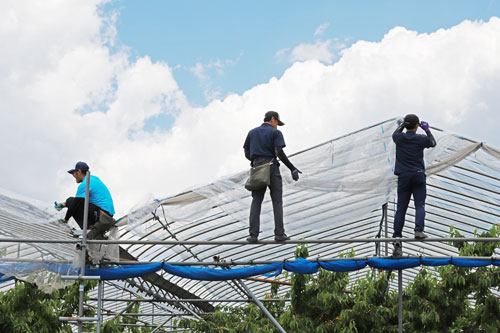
[
  {"x": 425, "y": 126},
  {"x": 295, "y": 174},
  {"x": 58, "y": 206},
  {"x": 401, "y": 125}
]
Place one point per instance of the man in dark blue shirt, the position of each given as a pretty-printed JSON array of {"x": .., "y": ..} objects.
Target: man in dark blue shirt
[
  {"x": 410, "y": 170},
  {"x": 262, "y": 145}
]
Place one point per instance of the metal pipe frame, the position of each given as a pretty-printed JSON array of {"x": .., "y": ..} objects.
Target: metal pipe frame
[
  {"x": 400, "y": 301},
  {"x": 173, "y": 300},
  {"x": 100, "y": 294},
  {"x": 78, "y": 319},
  {"x": 251, "y": 262},
  {"x": 266, "y": 262},
  {"x": 84, "y": 250},
  {"x": 180, "y": 314},
  {"x": 262, "y": 307},
  {"x": 261, "y": 242}
]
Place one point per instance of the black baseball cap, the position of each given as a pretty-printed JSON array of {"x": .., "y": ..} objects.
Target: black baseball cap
[
  {"x": 270, "y": 114},
  {"x": 80, "y": 166},
  {"x": 412, "y": 120}
]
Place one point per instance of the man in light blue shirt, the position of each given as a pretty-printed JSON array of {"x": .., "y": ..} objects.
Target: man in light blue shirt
[{"x": 101, "y": 209}]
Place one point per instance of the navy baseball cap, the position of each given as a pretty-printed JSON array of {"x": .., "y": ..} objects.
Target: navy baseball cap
[
  {"x": 80, "y": 166},
  {"x": 412, "y": 120},
  {"x": 270, "y": 114}
]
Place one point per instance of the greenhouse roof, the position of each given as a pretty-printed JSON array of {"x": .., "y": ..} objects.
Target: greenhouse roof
[{"x": 347, "y": 190}]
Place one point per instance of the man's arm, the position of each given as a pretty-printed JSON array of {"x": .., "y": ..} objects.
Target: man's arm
[
  {"x": 401, "y": 127},
  {"x": 425, "y": 126},
  {"x": 398, "y": 130},
  {"x": 283, "y": 158},
  {"x": 246, "y": 147}
]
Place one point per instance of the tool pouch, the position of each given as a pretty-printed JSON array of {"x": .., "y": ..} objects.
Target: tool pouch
[{"x": 260, "y": 177}]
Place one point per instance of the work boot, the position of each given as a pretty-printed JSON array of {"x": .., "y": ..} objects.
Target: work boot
[
  {"x": 420, "y": 235},
  {"x": 281, "y": 238},
  {"x": 252, "y": 239},
  {"x": 398, "y": 249}
]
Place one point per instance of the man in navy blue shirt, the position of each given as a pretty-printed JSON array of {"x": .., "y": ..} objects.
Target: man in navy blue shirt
[
  {"x": 262, "y": 145},
  {"x": 410, "y": 170}
]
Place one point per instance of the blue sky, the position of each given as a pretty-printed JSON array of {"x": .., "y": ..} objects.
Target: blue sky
[
  {"x": 146, "y": 85},
  {"x": 237, "y": 42}
]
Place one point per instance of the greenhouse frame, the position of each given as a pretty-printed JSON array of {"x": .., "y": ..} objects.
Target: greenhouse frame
[{"x": 180, "y": 256}]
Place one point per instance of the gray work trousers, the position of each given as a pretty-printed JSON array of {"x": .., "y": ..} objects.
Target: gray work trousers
[
  {"x": 276, "y": 188},
  {"x": 99, "y": 228}
]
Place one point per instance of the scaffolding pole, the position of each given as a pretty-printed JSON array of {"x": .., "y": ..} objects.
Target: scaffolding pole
[
  {"x": 100, "y": 294},
  {"x": 259, "y": 242},
  {"x": 266, "y": 262},
  {"x": 251, "y": 262},
  {"x": 84, "y": 251},
  {"x": 262, "y": 307},
  {"x": 189, "y": 300},
  {"x": 386, "y": 234},
  {"x": 400, "y": 301}
]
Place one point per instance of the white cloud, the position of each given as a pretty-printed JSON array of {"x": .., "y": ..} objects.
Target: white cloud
[
  {"x": 206, "y": 72},
  {"x": 325, "y": 51},
  {"x": 58, "y": 63},
  {"x": 321, "y": 29},
  {"x": 320, "y": 50}
]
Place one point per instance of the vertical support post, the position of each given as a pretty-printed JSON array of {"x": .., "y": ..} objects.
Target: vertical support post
[
  {"x": 400, "y": 301},
  {"x": 262, "y": 307},
  {"x": 84, "y": 250},
  {"x": 384, "y": 207},
  {"x": 100, "y": 292}
]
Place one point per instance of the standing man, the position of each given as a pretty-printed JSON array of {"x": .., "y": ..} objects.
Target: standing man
[
  {"x": 410, "y": 170},
  {"x": 101, "y": 209},
  {"x": 262, "y": 145}
]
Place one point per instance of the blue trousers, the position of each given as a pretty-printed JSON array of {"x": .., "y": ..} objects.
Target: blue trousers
[
  {"x": 276, "y": 188},
  {"x": 410, "y": 183}
]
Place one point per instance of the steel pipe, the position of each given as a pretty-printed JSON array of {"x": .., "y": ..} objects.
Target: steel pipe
[
  {"x": 83, "y": 249},
  {"x": 190, "y": 300},
  {"x": 261, "y": 242}
]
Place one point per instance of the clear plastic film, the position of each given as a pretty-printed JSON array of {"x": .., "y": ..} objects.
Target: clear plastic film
[{"x": 344, "y": 184}]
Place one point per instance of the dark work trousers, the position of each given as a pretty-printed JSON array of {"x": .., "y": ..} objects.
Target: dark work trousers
[
  {"x": 410, "y": 183},
  {"x": 276, "y": 188},
  {"x": 99, "y": 221},
  {"x": 99, "y": 228}
]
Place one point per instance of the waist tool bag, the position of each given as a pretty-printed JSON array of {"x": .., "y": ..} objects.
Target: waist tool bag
[{"x": 260, "y": 177}]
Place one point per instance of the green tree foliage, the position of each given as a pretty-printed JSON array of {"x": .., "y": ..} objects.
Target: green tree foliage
[
  {"x": 27, "y": 309},
  {"x": 445, "y": 299},
  {"x": 113, "y": 326}
]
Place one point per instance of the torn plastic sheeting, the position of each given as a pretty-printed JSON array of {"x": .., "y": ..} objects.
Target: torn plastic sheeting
[
  {"x": 123, "y": 272},
  {"x": 4, "y": 278},
  {"x": 214, "y": 274}
]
